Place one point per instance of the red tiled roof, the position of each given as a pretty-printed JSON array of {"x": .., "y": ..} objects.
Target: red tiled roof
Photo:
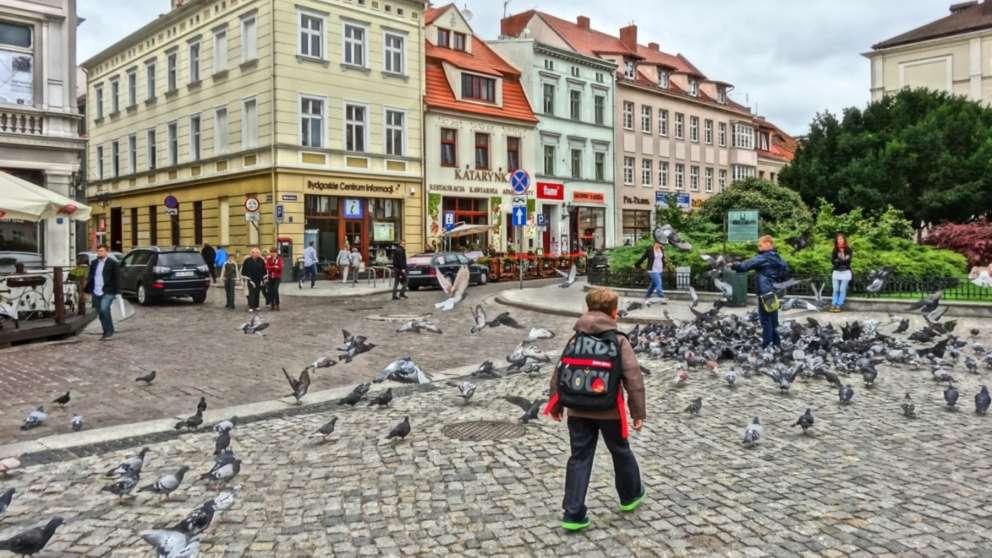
[
  {"x": 431, "y": 14},
  {"x": 678, "y": 62},
  {"x": 781, "y": 146},
  {"x": 586, "y": 41},
  {"x": 965, "y": 18},
  {"x": 481, "y": 59}
]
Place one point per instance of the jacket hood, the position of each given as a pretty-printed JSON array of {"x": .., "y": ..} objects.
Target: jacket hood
[{"x": 595, "y": 323}]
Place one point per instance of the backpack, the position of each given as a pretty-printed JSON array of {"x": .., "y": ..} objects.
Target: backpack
[{"x": 590, "y": 371}]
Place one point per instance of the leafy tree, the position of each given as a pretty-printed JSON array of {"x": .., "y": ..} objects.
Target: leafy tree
[
  {"x": 782, "y": 211},
  {"x": 926, "y": 153},
  {"x": 971, "y": 240}
]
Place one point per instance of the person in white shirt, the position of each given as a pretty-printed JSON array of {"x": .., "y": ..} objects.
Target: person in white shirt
[
  {"x": 655, "y": 256},
  {"x": 344, "y": 262},
  {"x": 309, "y": 265},
  {"x": 103, "y": 283},
  {"x": 356, "y": 265}
]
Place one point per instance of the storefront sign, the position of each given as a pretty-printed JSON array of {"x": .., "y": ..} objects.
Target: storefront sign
[
  {"x": 697, "y": 203},
  {"x": 484, "y": 190},
  {"x": 550, "y": 191},
  {"x": 589, "y": 197},
  {"x": 383, "y": 232},
  {"x": 742, "y": 226},
  {"x": 482, "y": 175},
  {"x": 367, "y": 187},
  {"x": 683, "y": 201},
  {"x": 634, "y": 200},
  {"x": 352, "y": 208},
  {"x": 662, "y": 199}
]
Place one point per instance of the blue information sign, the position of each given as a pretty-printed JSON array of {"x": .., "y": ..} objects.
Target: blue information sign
[
  {"x": 280, "y": 212},
  {"x": 542, "y": 220},
  {"x": 519, "y": 216},
  {"x": 520, "y": 182},
  {"x": 353, "y": 208},
  {"x": 449, "y": 220},
  {"x": 684, "y": 201},
  {"x": 661, "y": 199}
]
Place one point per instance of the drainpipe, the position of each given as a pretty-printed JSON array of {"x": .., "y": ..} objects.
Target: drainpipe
[
  {"x": 272, "y": 142},
  {"x": 423, "y": 133}
]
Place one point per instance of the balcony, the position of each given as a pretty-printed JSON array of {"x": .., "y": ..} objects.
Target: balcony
[{"x": 21, "y": 123}]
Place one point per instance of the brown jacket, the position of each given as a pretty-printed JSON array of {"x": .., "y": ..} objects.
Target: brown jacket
[{"x": 633, "y": 380}]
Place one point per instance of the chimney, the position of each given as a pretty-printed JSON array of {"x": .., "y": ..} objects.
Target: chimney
[
  {"x": 582, "y": 22},
  {"x": 177, "y": 4},
  {"x": 654, "y": 46},
  {"x": 965, "y": 5},
  {"x": 628, "y": 36}
]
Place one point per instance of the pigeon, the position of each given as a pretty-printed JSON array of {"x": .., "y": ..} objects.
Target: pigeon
[
  {"x": 935, "y": 315},
  {"x": 401, "y": 430},
  {"x": 254, "y": 326},
  {"x": 33, "y": 540},
  {"x": 123, "y": 485},
  {"x": 198, "y": 520},
  {"x": 6, "y": 498},
  {"x": 466, "y": 389},
  {"x": 202, "y": 404},
  {"x": 951, "y": 396},
  {"x": 845, "y": 394},
  {"x": 322, "y": 362},
  {"x": 630, "y": 307},
  {"x": 869, "y": 374},
  {"x": 35, "y": 418},
  {"x": 726, "y": 289},
  {"x": 326, "y": 429},
  {"x": 355, "y": 396},
  {"x": 569, "y": 278},
  {"x": 354, "y": 346},
  {"x": 753, "y": 432},
  {"x": 382, "y": 399},
  {"x": 731, "y": 378},
  {"x": 531, "y": 409},
  {"x": 226, "y": 425},
  {"x": 147, "y": 379},
  {"x": 876, "y": 279},
  {"x": 927, "y": 304},
  {"x": 693, "y": 297},
  {"x": 783, "y": 378},
  {"x": 167, "y": 483},
  {"x": 299, "y": 386},
  {"x": 537, "y": 333},
  {"x": 793, "y": 303},
  {"x": 222, "y": 442},
  {"x": 403, "y": 370},
  {"x": 63, "y": 400},
  {"x": 902, "y": 327},
  {"x": 454, "y": 289},
  {"x": 666, "y": 234},
  {"x": 224, "y": 500},
  {"x": 504, "y": 319},
  {"x": 170, "y": 543},
  {"x": 76, "y": 422},
  {"x": 908, "y": 408},
  {"x": 192, "y": 422},
  {"x": 982, "y": 401},
  {"x": 486, "y": 370},
  {"x": 419, "y": 326},
  {"x": 694, "y": 407},
  {"x": 805, "y": 420},
  {"x": 225, "y": 472},
  {"x": 132, "y": 464}
]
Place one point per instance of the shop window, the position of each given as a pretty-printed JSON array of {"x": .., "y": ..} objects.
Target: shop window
[{"x": 636, "y": 225}]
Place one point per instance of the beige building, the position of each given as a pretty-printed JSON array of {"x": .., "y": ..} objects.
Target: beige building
[
  {"x": 951, "y": 54},
  {"x": 310, "y": 107}
]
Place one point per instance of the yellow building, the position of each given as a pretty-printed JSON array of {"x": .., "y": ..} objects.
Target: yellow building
[{"x": 311, "y": 107}]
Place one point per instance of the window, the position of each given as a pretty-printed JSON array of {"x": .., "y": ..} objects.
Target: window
[
  {"x": 599, "y": 77},
  {"x": 549, "y": 65},
  {"x": 694, "y": 87},
  {"x": 708, "y": 131},
  {"x": 195, "y": 138},
  {"x": 394, "y": 53},
  {"x": 646, "y": 166},
  {"x": 512, "y": 154},
  {"x": 132, "y": 88},
  {"x": 220, "y": 50},
  {"x": 198, "y": 223},
  {"x": 249, "y": 39},
  {"x": 663, "y": 174},
  {"x": 742, "y": 172},
  {"x": 132, "y": 153},
  {"x": 99, "y": 102},
  {"x": 599, "y": 109},
  {"x": 636, "y": 225},
  {"x": 249, "y": 124},
  {"x": 311, "y": 36},
  {"x": 15, "y": 35},
  {"x": 99, "y": 162},
  {"x": 478, "y": 88},
  {"x": 575, "y": 71},
  {"x": 662, "y": 78},
  {"x": 763, "y": 141},
  {"x": 173, "y": 143},
  {"x": 628, "y": 171},
  {"x": 171, "y": 70},
  {"x": 220, "y": 131},
  {"x": 449, "y": 140},
  {"x": 628, "y": 115},
  {"x": 194, "y": 62},
  {"x": 721, "y": 95},
  {"x": 662, "y": 122},
  {"x": 549, "y": 98},
  {"x": 575, "y": 104},
  {"x": 694, "y": 178},
  {"x": 354, "y": 45},
  {"x": 679, "y": 176},
  {"x": 152, "y": 225},
  {"x": 152, "y": 149},
  {"x": 723, "y": 134},
  {"x": 600, "y": 166},
  {"x": 646, "y": 119},
  {"x": 150, "y": 81},
  {"x": 460, "y": 41},
  {"x": 481, "y": 151},
  {"x": 709, "y": 180},
  {"x": 549, "y": 160},
  {"x": 134, "y": 227},
  {"x": 628, "y": 69},
  {"x": 115, "y": 158},
  {"x": 723, "y": 179},
  {"x": 694, "y": 129},
  {"x": 443, "y": 38},
  {"x": 576, "y": 161},
  {"x": 395, "y": 132},
  {"x": 355, "y": 125},
  {"x": 311, "y": 122},
  {"x": 115, "y": 97},
  {"x": 743, "y": 136},
  {"x": 679, "y": 125}
]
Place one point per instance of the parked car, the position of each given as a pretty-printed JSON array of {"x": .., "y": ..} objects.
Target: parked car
[
  {"x": 10, "y": 259},
  {"x": 420, "y": 269},
  {"x": 155, "y": 272},
  {"x": 84, "y": 258}
]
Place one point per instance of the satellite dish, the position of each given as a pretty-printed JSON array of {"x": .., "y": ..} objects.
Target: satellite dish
[{"x": 467, "y": 13}]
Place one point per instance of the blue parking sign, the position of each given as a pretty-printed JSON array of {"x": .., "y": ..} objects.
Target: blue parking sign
[
  {"x": 542, "y": 220},
  {"x": 449, "y": 220},
  {"x": 520, "y": 216}
]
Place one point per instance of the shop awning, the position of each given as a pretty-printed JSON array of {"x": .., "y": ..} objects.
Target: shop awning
[
  {"x": 467, "y": 230},
  {"x": 20, "y": 199}
]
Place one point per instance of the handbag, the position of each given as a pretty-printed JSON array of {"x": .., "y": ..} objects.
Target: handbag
[{"x": 770, "y": 302}]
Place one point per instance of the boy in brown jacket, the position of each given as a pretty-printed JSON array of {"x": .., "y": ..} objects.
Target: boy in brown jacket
[{"x": 597, "y": 366}]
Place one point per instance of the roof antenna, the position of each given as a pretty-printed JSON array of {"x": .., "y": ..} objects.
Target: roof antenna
[
  {"x": 467, "y": 13},
  {"x": 506, "y": 3}
]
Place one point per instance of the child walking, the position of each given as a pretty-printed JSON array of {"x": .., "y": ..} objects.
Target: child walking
[{"x": 597, "y": 366}]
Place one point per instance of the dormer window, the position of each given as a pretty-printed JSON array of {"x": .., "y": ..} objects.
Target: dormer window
[
  {"x": 721, "y": 95},
  {"x": 662, "y": 78},
  {"x": 443, "y": 38},
  {"x": 459, "y": 41},
  {"x": 694, "y": 87},
  {"x": 628, "y": 69},
  {"x": 478, "y": 88}
]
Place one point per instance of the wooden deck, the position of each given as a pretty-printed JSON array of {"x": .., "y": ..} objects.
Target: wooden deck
[{"x": 43, "y": 329}]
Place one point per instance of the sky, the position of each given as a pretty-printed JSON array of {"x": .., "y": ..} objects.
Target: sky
[{"x": 787, "y": 59}]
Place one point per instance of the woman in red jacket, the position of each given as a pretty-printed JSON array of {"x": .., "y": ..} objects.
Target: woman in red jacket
[{"x": 273, "y": 266}]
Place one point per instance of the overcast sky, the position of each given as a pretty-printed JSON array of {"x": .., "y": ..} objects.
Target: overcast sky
[{"x": 789, "y": 59}]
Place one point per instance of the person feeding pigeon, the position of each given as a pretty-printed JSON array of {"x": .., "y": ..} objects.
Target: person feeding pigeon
[
  {"x": 597, "y": 366},
  {"x": 770, "y": 269},
  {"x": 655, "y": 256},
  {"x": 253, "y": 270},
  {"x": 842, "y": 271}
]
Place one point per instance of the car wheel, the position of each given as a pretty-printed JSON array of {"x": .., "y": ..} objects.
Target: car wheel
[
  {"x": 142, "y": 295},
  {"x": 199, "y": 298},
  {"x": 483, "y": 278}
]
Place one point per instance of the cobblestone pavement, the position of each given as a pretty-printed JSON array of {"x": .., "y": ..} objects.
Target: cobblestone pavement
[{"x": 198, "y": 350}]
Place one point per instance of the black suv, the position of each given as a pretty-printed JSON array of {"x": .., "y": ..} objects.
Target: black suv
[
  {"x": 420, "y": 269},
  {"x": 154, "y": 272}
]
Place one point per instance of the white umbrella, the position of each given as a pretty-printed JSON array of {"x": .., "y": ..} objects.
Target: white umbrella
[
  {"x": 466, "y": 230},
  {"x": 19, "y": 199}
]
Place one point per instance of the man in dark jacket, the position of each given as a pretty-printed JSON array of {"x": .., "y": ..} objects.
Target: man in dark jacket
[
  {"x": 770, "y": 268},
  {"x": 399, "y": 270},
  {"x": 103, "y": 283},
  {"x": 253, "y": 270},
  {"x": 210, "y": 258}
]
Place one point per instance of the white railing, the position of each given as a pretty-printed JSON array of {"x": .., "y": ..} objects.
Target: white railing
[{"x": 14, "y": 122}]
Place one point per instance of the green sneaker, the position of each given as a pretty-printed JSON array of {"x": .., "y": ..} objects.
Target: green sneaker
[
  {"x": 575, "y": 525},
  {"x": 629, "y": 507}
]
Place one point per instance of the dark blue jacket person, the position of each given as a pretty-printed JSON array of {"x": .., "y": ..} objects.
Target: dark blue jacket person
[{"x": 770, "y": 268}]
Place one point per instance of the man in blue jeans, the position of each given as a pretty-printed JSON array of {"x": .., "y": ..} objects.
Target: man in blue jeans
[
  {"x": 655, "y": 256},
  {"x": 769, "y": 269},
  {"x": 309, "y": 265},
  {"x": 102, "y": 282}
]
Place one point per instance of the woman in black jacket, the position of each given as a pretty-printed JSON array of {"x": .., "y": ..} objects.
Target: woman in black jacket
[{"x": 842, "y": 271}]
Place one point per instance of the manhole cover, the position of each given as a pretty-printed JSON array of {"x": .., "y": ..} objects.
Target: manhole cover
[{"x": 478, "y": 430}]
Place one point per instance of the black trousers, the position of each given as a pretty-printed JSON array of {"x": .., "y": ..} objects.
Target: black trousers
[
  {"x": 253, "y": 292},
  {"x": 229, "y": 291},
  {"x": 273, "y": 291},
  {"x": 399, "y": 280},
  {"x": 769, "y": 327},
  {"x": 583, "y": 434}
]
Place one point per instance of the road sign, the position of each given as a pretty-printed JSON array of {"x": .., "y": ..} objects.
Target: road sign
[
  {"x": 172, "y": 211},
  {"x": 171, "y": 202},
  {"x": 449, "y": 220},
  {"x": 252, "y": 216},
  {"x": 252, "y": 204},
  {"x": 742, "y": 226},
  {"x": 542, "y": 220},
  {"x": 520, "y": 182},
  {"x": 280, "y": 213},
  {"x": 519, "y": 201},
  {"x": 519, "y": 215}
]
